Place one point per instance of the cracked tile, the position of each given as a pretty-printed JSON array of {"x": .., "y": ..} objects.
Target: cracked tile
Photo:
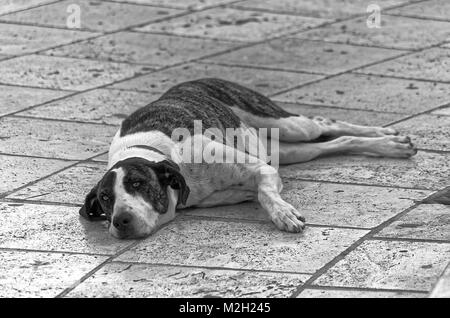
[
  {"x": 427, "y": 131},
  {"x": 315, "y": 8},
  {"x": 328, "y": 204},
  {"x": 8, "y": 6},
  {"x": 232, "y": 24},
  {"x": 18, "y": 171},
  {"x": 32, "y": 274},
  {"x": 185, "y": 4},
  {"x": 238, "y": 245},
  {"x": 434, "y": 9},
  {"x": 54, "y": 228},
  {"x": 94, "y": 15},
  {"x": 358, "y": 91},
  {"x": 152, "y": 49},
  {"x": 427, "y": 221},
  {"x": 53, "y": 139},
  {"x": 126, "y": 280},
  {"x": 16, "y": 98},
  {"x": 389, "y": 265},
  {"x": 345, "y": 293},
  {"x": 303, "y": 55},
  {"x": 104, "y": 106},
  {"x": 264, "y": 81},
  {"x": 423, "y": 171},
  {"x": 68, "y": 186},
  {"x": 432, "y": 64},
  {"x": 395, "y": 32},
  {"x": 21, "y": 39},
  {"x": 63, "y": 73}
]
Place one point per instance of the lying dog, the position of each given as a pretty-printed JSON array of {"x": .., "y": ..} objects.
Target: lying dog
[{"x": 149, "y": 177}]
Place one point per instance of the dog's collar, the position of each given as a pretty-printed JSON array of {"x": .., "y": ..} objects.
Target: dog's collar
[
  {"x": 148, "y": 148},
  {"x": 144, "y": 151}
]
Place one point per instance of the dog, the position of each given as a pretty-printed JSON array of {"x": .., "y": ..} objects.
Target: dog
[{"x": 149, "y": 178}]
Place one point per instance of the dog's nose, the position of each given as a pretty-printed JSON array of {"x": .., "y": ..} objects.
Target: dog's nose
[{"x": 122, "y": 221}]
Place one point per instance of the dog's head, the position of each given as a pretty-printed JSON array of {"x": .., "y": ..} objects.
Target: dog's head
[{"x": 136, "y": 196}]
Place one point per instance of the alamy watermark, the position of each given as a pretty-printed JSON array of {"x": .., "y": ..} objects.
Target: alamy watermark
[
  {"x": 237, "y": 145},
  {"x": 374, "y": 19},
  {"x": 73, "y": 20}
]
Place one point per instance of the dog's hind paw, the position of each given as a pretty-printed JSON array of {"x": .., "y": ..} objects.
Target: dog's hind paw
[{"x": 287, "y": 218}]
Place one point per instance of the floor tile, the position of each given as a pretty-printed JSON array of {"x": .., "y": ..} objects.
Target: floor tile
[
  {"x": 315, "y": 8},
  {"x": 345, "y": 293},
  {"x": 18, "y": 171},
  {"x": 442, "y": 111},
  {"x": 63, "y": 73},
  {"x": 107, "y": 106},
  {"x": 389, "y": 265},
  {"x": 242, "y": 246},
  {"x": 15, "y": 98},
  {"x": 423, "y": 171},
  {"x": 328, "y": 204},
  {"x": 185, "y": 4},
  {"x": 442, "y": 288},
  {"x": 152, "y": 49},
  {"x": 372, "y": 93},
  {"x": 125, "y": 280},
  {"x": 359, "y": 117},
  {"x": 428, "y": 131},
  {"x": 54, "y": 228},
  {"x": 68, "y": 186},
  {"x": 428, "y": 221},
  {"x": 94, "y": 15},
  {"x": 434, "y": 9},
  {"x": 304, "y": 55},
  {"x": 53, "y": 139},
  {"x": 432, "y": 64},
  {"x": 8, "y": 6},
  {"x": 395, "y": 32},
  {"x": 264, "y": 81},
  {"x": 31, "y": 274},
  {"x": 232, "y": 24},
  {"x": 21, "y": 39}
]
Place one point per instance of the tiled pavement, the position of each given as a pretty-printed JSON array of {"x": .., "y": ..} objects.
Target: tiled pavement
[{"x": 64, "y": 92}]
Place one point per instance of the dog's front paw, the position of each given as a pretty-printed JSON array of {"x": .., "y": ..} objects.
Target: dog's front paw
[{"x": 287, "y": 218}]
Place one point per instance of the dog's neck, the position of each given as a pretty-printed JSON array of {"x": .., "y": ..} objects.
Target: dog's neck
[{"x": 153, "y": 146}]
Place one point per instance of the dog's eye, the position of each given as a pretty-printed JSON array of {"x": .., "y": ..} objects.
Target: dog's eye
[
  {"x": 136, "y": 185},
  {"x": 105, "y": 197}
]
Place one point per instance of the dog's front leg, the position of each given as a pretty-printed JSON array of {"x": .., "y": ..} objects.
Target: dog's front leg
[{"x": 283, "y": 215}]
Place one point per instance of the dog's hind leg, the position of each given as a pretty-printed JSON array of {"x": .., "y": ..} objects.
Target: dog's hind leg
[{"x": 386, "y": 146}]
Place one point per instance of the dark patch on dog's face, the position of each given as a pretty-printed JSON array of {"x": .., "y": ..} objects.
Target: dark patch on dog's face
[
  {"x": 141, "y": 179},
  {"x": 105, "y": 193}
]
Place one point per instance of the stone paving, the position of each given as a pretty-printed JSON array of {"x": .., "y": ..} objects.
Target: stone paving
[{"x": 370, "y": 233}]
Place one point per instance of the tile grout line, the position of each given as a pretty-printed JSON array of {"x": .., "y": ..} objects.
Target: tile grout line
[
  {"x": 426, "y": 112},
  {"x": 353, "y": 70},
  {"x": 75, "y": 162},
  {"x": 95, "y": 269},
  {"x": 326, "y": 287},
  {"x": 360, "y": 184},
  {"x": 354, "y": 246},
  {"x": 32, "y": 7},
  {"x": 222, "y": 268}
]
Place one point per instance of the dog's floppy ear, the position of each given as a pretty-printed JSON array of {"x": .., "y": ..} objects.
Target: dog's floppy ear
[
  {"x": 168, "y": 173},
  {"x": 92, "y": 209}
]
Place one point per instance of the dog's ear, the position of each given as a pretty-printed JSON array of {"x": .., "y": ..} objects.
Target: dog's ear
[
  {"x": 92, "y": 210},
  {"x": 168, "y": 173}
]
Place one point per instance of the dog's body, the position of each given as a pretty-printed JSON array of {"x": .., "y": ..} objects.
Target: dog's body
[{"x": 149, "y": 174}]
